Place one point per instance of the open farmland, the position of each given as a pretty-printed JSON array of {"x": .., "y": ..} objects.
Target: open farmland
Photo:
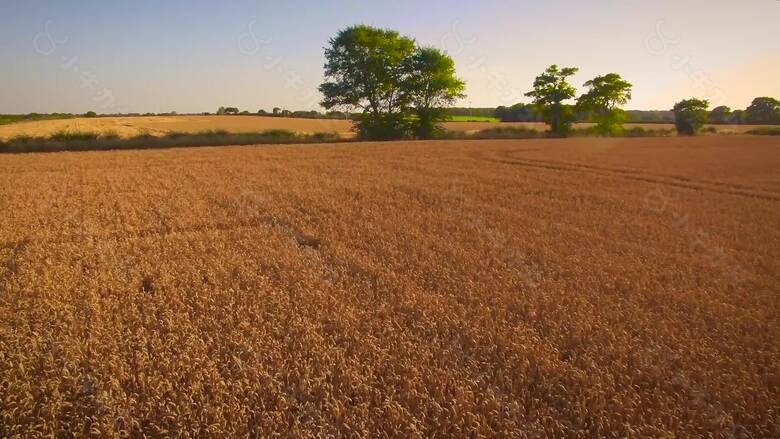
[
  {"x": 512, "y": 288},
  {"x": 162, "y": 125}
]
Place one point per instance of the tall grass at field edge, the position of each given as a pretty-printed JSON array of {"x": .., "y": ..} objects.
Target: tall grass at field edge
[
  {"x": 87, "y": 141},
  {"x": 519, "y": 132},
  {"x": 765, "y": 131}
]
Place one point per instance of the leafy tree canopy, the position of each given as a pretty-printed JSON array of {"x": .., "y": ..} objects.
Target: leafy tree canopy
[
  {"x": 690, "y": 115},
  {"x": 720, "y": 114},
  {"x": 763, "y": 110},
  {"x": 550, "y": 91},
  {"x": 604, "y": 96},
  {"x": 365, "y": 68},
  {"x": 399, "y": 87},
  {"x": 432, "y": 86}
]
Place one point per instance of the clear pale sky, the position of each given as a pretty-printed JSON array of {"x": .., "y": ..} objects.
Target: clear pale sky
[{"x": 177, "y": 55}]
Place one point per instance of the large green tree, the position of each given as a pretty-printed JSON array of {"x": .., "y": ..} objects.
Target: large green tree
[
  {"x": 763, "y": 110},
  {"x": 432, "y": 86},
  {"x": 550, "y": 92},
  {"x": 606, "y": 93},
  {"x": 690, "y": 115},
  {"x": 365, "y": 70},
  {"x": 399, "y": 88}
]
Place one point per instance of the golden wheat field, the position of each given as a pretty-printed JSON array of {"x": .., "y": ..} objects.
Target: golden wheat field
[
  {"x": 527, "y": 288},
  {"x": 162, "y": 125}
]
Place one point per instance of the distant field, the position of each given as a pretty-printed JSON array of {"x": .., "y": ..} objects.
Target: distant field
[
  {"x": 161, "y": 125},
  {"x": 535, "y": 288}
]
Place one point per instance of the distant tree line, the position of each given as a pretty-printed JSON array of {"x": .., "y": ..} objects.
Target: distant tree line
[
  {"x": 278, "y": 112},
  {"x": 762, "y": 111},
  {"x": 473, "y": 112},
  {"x": 605, "y": 96}
]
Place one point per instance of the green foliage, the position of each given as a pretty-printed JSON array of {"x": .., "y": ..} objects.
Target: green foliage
[
  {"x": 737, "y": 117},
  {"x": 721, "y": 114},
  {"x": 517, "y": 113},
  {"x": 222, "y": 111},
  {"x": 427, "y": 122},
  {"x": 365, "y": 70},
  {"x": 467, "y": 118},
  {"x": 644, "y": 132},
  {"x": 68, "y": 136},
  {"x": 550, "y": 91},
  {"x": 508, "y": 132},
  {"x": 90, "y": 114},
  {"x": 175, "y": 135},
  {"x": 109, "y": 135},
  {"x": 602, "y": 99},
  {"x": 86, "y": 141},
  {"x": 209, "y": 133},
  {"x": 690, "y": 115},
  {"x": 457, "y": 112},
  {"x": 650, "y": 116},
  {"x": 22, "y": 138},
  {"x": 382, "y": 126},
  {"x": 6, "y": 119},
  {"x": 432, "y": 85},
  {"x": 279, "y": 134},
  {"x": 628, "y": 132},
  {"x": 400, "y": 89},
  {"x": 324, "y": 137},
  {"x": 610, "y": 122},
  {"x": 763, "y": 110},
  {"x": 521, "y": 132},
  {"x": 765, "y": 131}
]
